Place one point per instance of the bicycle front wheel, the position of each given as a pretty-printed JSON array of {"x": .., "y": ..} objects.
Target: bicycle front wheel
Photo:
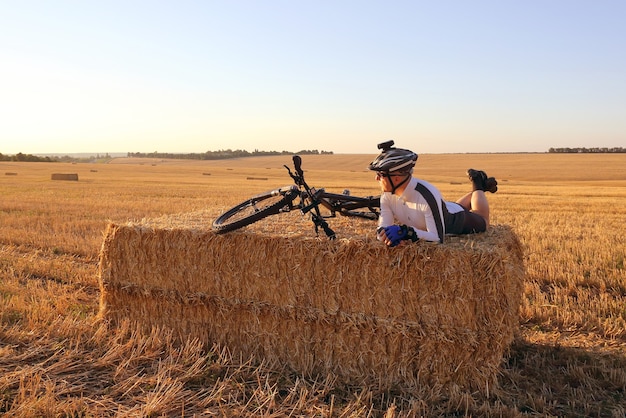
[{"x": 255, "y": 209}]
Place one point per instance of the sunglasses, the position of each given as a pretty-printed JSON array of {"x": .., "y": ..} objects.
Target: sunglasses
[{"x": 380, "y": 175}]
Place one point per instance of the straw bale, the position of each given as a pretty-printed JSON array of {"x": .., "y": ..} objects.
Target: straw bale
[
  {"x": 65, "y": 176},
  {"x": 422, "y": 314},
  {"x": 10, "y": 173}
]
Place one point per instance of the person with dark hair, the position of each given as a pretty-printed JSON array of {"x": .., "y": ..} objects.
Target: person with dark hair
[{"x": 412, "y": 209}]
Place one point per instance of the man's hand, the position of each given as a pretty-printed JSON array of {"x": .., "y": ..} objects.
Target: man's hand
[{"x": 394, "y": 234}]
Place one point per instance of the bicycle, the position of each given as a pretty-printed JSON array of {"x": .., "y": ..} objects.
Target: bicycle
[{"x": 283, "y": 200}]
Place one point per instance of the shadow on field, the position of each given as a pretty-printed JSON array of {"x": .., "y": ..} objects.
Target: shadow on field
[{"x": 556, "y": 380}]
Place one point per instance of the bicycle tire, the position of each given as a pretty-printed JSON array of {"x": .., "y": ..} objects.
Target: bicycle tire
[{"x": 254, "y": 209}]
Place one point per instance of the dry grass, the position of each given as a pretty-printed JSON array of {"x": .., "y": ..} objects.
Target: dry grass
[{"x": 58, "y": 359}]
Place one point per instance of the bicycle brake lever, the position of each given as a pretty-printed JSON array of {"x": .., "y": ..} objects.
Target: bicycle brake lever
[{"x": 293, "y": 176}]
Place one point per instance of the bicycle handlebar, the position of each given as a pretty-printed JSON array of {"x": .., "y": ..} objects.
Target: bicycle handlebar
[{"x": 297, "y": 163}]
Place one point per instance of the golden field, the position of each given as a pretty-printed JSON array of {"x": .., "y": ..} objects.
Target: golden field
[{"x": 58, "y": 358}]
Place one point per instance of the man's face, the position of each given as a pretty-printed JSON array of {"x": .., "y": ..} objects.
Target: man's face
[{"x": 388, "y": 181}]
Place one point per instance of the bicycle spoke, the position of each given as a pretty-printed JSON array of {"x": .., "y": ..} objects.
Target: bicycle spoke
[{"x": 254, "y": 207}]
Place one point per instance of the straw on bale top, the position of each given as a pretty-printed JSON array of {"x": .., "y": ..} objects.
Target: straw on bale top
[{"x": 432, "y": 314}]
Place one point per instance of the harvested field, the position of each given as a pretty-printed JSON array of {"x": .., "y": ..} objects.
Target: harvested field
[{"x": 59, "y": 358}]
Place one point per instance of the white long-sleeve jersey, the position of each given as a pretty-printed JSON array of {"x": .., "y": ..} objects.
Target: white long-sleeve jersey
[{"x": 412, "y": 209}]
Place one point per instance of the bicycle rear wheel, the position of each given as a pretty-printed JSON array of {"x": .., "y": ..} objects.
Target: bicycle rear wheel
[
  {"x": 352, "y": 206},
  {"x": 255, "y": 209}
]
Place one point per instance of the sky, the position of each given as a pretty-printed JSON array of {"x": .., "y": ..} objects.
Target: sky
[{"x": 184, "y": 76}]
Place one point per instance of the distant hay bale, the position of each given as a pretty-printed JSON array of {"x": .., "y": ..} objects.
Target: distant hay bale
[
  {"x": 93, "y": 171},
  {"x": 206, "y": 174},
  {"x": 401, "y": 318},
  {"x": 10, "y": 174},
  {"x": 65, "y": 176},
  {"x": 256, "y": 178}
]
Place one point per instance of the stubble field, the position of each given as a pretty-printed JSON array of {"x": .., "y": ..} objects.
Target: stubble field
[{"x": 58, "y": 358}]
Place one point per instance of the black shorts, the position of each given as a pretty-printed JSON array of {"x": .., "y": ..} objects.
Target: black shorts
[{"x": 464, "y": 222}]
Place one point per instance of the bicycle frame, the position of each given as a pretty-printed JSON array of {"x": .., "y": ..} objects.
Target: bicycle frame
[
  {"x": 344, "y": 204},
  {"x": 310, "y": 199}
]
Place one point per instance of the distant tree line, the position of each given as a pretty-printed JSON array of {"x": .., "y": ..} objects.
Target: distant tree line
[
  {"x": 26, "y": 157},
  {"x": 209, "y": 155},
  {"x": 53, "y": 159},
  {"x": 583, "y": 150},
  {"x": 223, "y": 154}
]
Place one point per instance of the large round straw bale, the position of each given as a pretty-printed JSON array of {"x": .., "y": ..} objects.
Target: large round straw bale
[{"x": 422, "y": 314}]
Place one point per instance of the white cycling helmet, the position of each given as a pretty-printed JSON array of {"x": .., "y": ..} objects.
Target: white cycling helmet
[{"x": 393, "y": 159}]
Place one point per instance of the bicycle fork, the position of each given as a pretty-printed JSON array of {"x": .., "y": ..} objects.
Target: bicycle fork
[{"x": 316, "y": 216}]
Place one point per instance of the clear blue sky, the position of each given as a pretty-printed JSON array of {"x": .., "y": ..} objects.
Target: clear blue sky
[{"x": 193, "y": 76}]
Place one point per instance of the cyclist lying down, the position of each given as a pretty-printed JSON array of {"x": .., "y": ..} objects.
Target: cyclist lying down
[{"x": 412, "y": 209}]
